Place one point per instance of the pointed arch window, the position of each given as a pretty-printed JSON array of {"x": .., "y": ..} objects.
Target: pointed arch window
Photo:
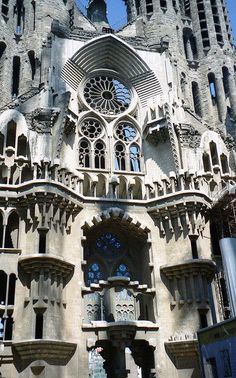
[
  {"x": 224, "y": 163},
  {"x": 127, "y": 153},
  {"x": 84, "y": 153},
  {"x": 22, "y": 145},
  {"x": 134, "y": 155},
  {"x": 120, "y": 157},
  {"x": 206, "y": 162},
  {"x": 92, "y": 150},
  {"x": 214, "y": 153},
  {"x": 11, "y": 134},
  {"x": 99, "y": 153}
]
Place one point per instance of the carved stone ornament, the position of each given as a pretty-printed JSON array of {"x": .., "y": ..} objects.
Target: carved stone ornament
[
  {"x": 42, "y": 119},
  {"x": 189, "y": 137}
]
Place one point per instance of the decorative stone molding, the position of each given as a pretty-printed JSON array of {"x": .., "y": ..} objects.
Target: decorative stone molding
[
  {"x": 179, "y": 351},
  {"x": 198, "y": 266},
  {"x": 115, "y": 213},
  {"x": 42, "y": 119},
  {"x": 50, "y": 263},
  {"x": 188, "y": 135},
  {"x": 47, "y": 276},
  {"x": 54, "y": 352},
  {"x": 188, "y": 282}
]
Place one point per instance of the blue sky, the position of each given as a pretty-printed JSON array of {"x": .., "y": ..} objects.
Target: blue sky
[{"x": 116, "y": 12}]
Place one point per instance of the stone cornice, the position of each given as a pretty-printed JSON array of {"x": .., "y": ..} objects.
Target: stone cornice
[
  {"x": 193, "y": 267},
  {"x": 51, "y": 263},
  {"x": 54, "y": 352}
]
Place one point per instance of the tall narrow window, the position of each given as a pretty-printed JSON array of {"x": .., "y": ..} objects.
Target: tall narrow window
[
  {"x": 214, "y": 154},
  {"x": 9, "y": 327},
  {"x": 138, "y": 8},
  {"x": 206, "y": 162},
  {"x": 134, "y": 158},
  {"x": 224, "y": 163},
  {"x": 217, "y": 24},
  {"x": 212, "y": 87},
  {"x": 5, "y": 8},
  {"x": 42, "y": 241},
  {"x": 84, "y": 153},
  {"x": 194, "y": 249},
  {"x": 187, "y": 9},
  {"x": 21, "y": 146},
  {"x": 11, "y": 134},
  {"x": 12, "y": 231},
  {"x": 39, "y": 326},
  {"x": 225, "y": 73},
  {"x": 3, "y": 286},
  {"x": 11, "y": 289},
  {"x": 99, "y": 152},
  {"x": 2, "y": 49},
  {"x": 1, "y": 143},
  {"x": 149, "y": 7},
  {"x": 203, "y": 24},
  {"x": 120, "y": 157},
  {"x": 33, "y": 6},
  {"x": 196, "y": 99},
  {"x": 203, "y": 318},
  {"x": 19, "y": 10},
  {"x": 15, "y": 76},
  {"x": 31, "y": 55}
]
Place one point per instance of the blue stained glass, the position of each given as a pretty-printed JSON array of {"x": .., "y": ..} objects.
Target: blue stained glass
[
  {"x": 95, "y": 267},
  {"x": 108, "y": 244},
  {"x": 94, "y": 274},
  {"x": 122, "y": 271}
]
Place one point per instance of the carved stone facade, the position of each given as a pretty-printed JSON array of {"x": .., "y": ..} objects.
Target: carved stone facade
[{"x": 114, "y": 148}]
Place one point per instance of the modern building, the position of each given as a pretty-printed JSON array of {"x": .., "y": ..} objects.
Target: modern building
[
  {"x": 217, "y": 348},
  {"x": 115, "y": 148}
]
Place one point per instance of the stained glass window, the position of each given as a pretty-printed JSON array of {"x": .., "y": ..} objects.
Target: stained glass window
[
  {"x": 122, "y": 271},
  {"x": 94, "y": 274},
  {"x": 109, "y": 245}
]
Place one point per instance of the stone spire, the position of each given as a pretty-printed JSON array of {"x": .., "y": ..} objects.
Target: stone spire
[{"x": 97, "y": 13}]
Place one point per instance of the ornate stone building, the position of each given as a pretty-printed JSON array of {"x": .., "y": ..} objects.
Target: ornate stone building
[{"x": 114, "y": 147}]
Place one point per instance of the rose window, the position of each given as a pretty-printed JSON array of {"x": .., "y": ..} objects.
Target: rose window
[
  {"x": 125, "y": 132},
  {"x": 107, "y": 95},
  {"x": 91, "y": 128}
]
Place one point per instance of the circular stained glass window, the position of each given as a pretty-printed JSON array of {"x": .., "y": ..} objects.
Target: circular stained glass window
[
  {"x": 91, "y": 128},
  {"x": 107, "y": 95},
  {"x": 108, "y": 244},
  {"x": 126, "y": 132}
]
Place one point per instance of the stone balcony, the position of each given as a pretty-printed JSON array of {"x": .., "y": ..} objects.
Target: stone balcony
[
  {"x": 54, "y": 352},
  {"x": 115, "y": 306},
  {"x": 47, "y": 276},
  {"x": 182, "y": 349},
  {"x": 188, "y": 281}
]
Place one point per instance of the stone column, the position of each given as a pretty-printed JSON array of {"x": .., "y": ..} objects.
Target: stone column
[
  {"x": 220, "y": 96},
  {"x": 232, "y": 92}
]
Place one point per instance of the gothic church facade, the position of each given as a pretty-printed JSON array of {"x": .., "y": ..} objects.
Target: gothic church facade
[{"x": 114, "y": 146}]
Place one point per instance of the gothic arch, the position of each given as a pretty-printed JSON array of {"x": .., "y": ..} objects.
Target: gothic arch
[
  {"x": 110, "y": 52},
  {"x": 115, "y": 213}
]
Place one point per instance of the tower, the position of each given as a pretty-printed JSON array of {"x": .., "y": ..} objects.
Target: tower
[{"x": 115, "y": 147}]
